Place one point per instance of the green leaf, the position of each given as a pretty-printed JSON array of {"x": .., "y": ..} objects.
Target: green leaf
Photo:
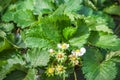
[
  {"x": 16, "y": 75},
  {"x": 115, "y": 56},
  {"x": 5, "y": 70},
  {"x": 4, "y": 4},
  {"x": 79, "y": 41},
  {"x": 43, "y": 35},
  {"x": 114, "y": 10},
  {"x": 2, "y": 62},
  {"x": 72, "y": 6},
  {"x": 109, "y": 20},
  {"x": 17, "y": 59},
  {"x": 37, "y": 42},
  {"x": 81, "y": 35},
  {"x": 4, "y": 44},
  {"x": 43, "y": 6},
  {"x": 58, "y": 2},
  {"x": 13, "y": 62},
  {"x": 59, "y": 10},
  {"x": 24, "y": 18},
  {"x": 27, "y": 4},
  {"x": 2, "y": 34},
  {"x": 8, "y": 27},
  {"x": 90, "y": 4},
  {"x": 51, "y": 31},
  {"x": 7, "y": 54},
  {"x": 31, "y": 75},
  {"x": 95, "y": 68},
  {"x": 69, "y": 32},
  {"x": 37, "y": 57},
  {"x": 8, "y": 16},
  {"x": 103, "y": 28},
  {"x": 97, "y": 23},
  {"x": 84, "y": 10},
  {"x": 105, "y": 40}
]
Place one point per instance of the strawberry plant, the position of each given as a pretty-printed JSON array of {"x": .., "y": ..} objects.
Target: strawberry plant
[{"x": 59, "y": 40}]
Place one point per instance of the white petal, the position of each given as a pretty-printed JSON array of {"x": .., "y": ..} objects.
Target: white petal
[
  {"x": 80, "y": 54},
  {"x": 83, "y": 50},
  {"x": 67, "y": 45},
  {"x": 59, "y": 45}
]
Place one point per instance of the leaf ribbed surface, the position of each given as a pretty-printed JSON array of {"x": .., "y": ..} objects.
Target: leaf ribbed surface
[
  {"x": 105, "y": 40},
  {"x": 31, "y": 75},
  {"x": 95, "y": 68},
  {"x": 37, "y": 57},
  {"x": 24, "y": 18}
]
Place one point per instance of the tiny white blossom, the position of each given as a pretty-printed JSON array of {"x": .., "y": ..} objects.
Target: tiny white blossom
[
  {"x": 79, "y": 52},
  {"x": 63, "y": 46},
  {"x": 51, "y": 51}
]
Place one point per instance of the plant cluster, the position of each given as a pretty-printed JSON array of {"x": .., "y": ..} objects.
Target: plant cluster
[
  {"x": 59, "y": 40},
  {"x": 63, "y": 60}
]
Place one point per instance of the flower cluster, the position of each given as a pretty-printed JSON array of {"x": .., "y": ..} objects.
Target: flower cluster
[{"x": 62, "y": 58}]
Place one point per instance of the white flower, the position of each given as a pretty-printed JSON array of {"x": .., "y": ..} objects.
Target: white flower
[
  {"x": 79, "y": 52},
  {"x": 63, "y": 46},
  {"x": 51, "y": 51}
]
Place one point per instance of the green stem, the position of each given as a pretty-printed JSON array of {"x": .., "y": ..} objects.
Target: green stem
[
  {"x": 63, "y": 77},
  {"x": 75, "y": 76}
]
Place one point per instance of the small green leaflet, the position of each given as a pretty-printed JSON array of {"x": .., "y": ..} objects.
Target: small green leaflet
[
  {"x": 24, "y": 18},
  {"x": 115, "y": 56},
  {"x": 31, "y": 75},
  {"x": 8, "y": 16},
  {"x": 37, "y": 42},
  {"x": 69, "y": 32},
  {"x": 4, "y": 44},
  {"x": 25, "y": 5},
  {"x": 16, "y": 75},
  {"x": 104, "y": 40},
  {"x": 114, "y": 10},
  {"x": 37, "y": 57},
  {"x": 72, "y": 5},
  {"x": 96, "y": 23},
  {"x": 8, "y": 27},
  {"x": 42, "y": 7},
  {"x": 79, "y": 41}
]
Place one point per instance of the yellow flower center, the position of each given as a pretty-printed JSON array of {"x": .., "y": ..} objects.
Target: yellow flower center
[
  {"x": 77, "y": 51},
  {"x": 60, "y": 68},
  {"x": 50, "y": 70},
  {"x": 73, "y": 58},
  {"x": 64, "y": 46},
  {"x": 60, "y": 56}
]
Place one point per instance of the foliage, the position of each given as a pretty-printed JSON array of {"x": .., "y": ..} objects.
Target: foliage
[{"x": 52, "y": 39}]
